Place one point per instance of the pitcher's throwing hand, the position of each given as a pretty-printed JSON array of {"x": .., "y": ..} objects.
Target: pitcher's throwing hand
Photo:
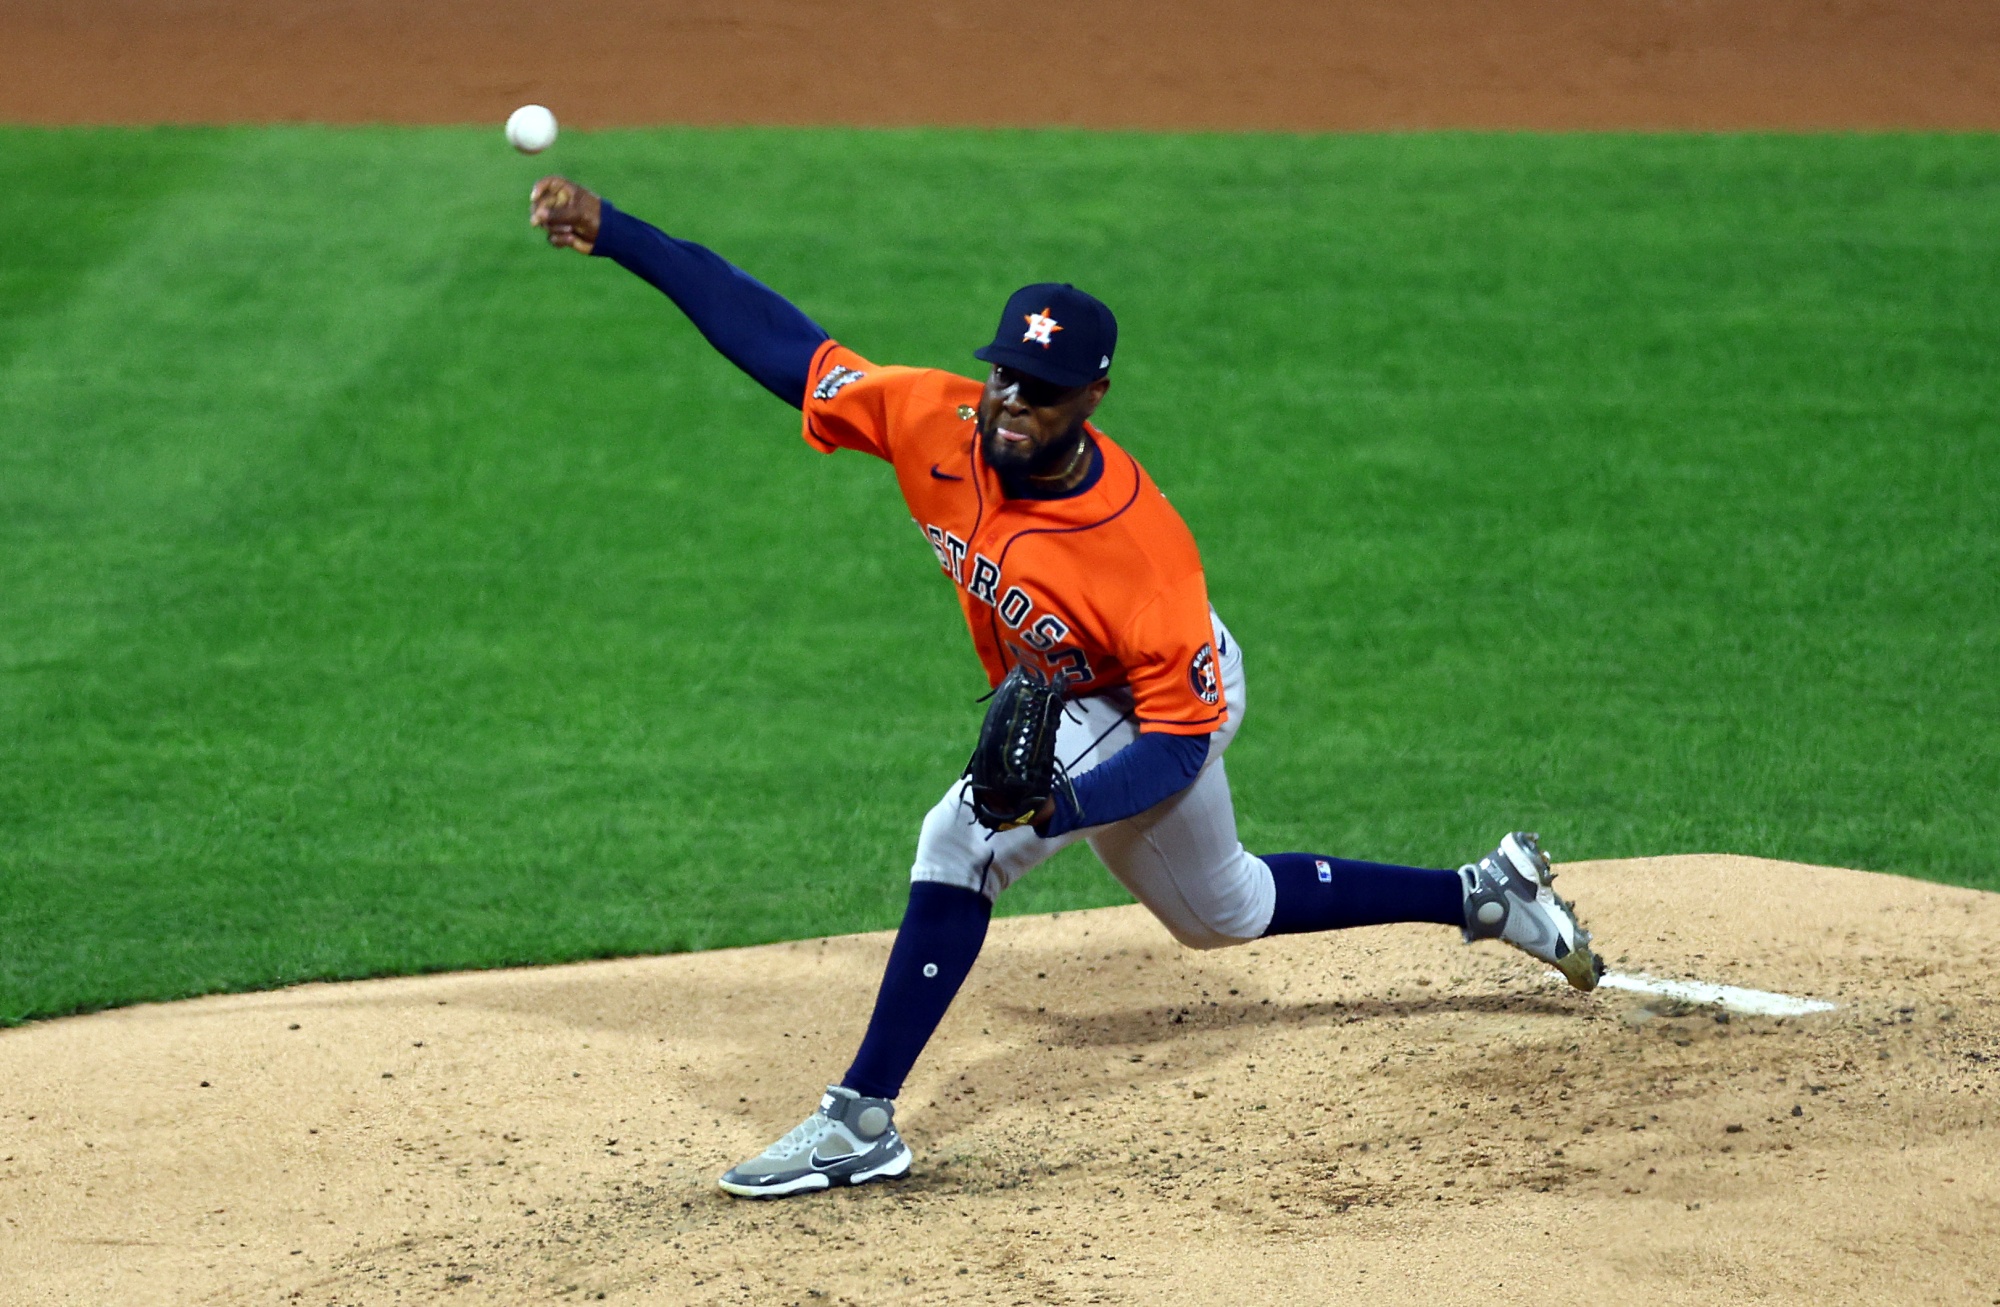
[{"x": 569, "y": 213}]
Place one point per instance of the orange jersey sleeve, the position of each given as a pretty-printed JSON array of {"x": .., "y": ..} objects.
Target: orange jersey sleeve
[
  {"x": 1166, "y": 639},
  {"x": 1169, "y": 656},
  {"x": 851, "y": 403}
]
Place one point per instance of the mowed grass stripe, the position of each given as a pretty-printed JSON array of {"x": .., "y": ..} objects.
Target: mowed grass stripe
[
  {"x": 383, "y": 592},
  {"x": 109, "y": 189},
  {"x": 160, "y": 397}
]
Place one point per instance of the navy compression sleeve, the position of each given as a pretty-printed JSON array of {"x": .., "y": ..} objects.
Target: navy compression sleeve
[
  {"x": 1150, "y": 770},
  {"x": 942, "y": 931},
  {"x": 749, "y": 324}
]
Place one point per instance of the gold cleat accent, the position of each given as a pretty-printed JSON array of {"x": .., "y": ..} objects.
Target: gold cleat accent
[{"x": 1581, "y": 967}]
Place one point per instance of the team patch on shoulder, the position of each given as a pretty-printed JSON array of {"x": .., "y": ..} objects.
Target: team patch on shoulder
[
  {"x": 1201, "y": 676},
  {"x": 836, "y": 379}
]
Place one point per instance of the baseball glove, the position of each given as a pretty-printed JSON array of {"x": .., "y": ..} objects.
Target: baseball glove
[{"x": 1013, "y": 768}]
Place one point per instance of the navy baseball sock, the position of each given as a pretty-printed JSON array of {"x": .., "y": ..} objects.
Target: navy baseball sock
[
  {"x": 934, "y": 951},
  {"x": 1316, "y": 893}
]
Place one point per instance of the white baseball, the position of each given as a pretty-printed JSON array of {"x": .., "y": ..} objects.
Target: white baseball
[{"x": 531, "y": 129}]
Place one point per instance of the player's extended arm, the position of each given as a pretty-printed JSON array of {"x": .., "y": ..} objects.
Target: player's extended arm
[
  {"x": 751, "y": 325},
  {"x": 1150, "y": 770}
]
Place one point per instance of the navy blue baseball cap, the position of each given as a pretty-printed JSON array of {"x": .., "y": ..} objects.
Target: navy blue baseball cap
[{"x": 1053, "y": 331}]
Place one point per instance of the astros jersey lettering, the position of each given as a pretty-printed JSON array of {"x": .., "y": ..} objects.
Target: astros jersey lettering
[{"x": 1102, "y": 589}]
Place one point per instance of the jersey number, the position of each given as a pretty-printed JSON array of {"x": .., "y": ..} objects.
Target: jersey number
[
  {"x": 1072, "y": 665},
  {"x": 1068, "y": 665}
]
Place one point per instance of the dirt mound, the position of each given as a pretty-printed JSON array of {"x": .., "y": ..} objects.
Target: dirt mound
[
  {"x": 1294, "y": 64},
  {"x": 1105, "y": 1118}
]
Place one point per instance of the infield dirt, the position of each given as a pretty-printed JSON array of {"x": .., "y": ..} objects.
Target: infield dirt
[{"x": 1105, "y": 1118}]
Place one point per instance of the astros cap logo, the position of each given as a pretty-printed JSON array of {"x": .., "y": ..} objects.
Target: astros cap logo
[
  {"x": 1201, "y": 676},
  {"x": 1041, "y": 329}
]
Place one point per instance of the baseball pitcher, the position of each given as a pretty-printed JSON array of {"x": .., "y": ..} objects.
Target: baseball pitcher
[{"x": 1117, "y": 687}]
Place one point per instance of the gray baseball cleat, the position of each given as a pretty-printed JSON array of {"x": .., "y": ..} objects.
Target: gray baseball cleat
[
  {"x": 849, "y": 1140},
  {"x": 1507, "y": 896}
]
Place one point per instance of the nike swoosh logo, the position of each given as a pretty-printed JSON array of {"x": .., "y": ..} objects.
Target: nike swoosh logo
[
  {"x": 943, "y": 476},
  {"x": 818, "y": 1163}
]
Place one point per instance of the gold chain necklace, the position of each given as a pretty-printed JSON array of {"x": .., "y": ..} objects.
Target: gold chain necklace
[{"x": 1082, "y": 447}]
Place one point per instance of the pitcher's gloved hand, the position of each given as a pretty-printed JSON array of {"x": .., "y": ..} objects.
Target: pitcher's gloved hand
[{"x": 1013, "y": 767}]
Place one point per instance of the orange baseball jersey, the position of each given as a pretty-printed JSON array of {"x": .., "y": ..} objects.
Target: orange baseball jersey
[{"x": 1102, "y": 589}]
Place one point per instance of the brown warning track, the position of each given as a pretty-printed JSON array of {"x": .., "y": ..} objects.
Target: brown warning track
[
  {"x": 1380, "y": 1115},
  {"x": 1289, "y": 64}
]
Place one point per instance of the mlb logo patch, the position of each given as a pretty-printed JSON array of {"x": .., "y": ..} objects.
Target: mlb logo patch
[{"x": 1325, "y": 871}]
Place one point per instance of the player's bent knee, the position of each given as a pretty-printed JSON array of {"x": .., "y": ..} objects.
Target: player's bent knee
[
  {"x": 948, "y": 852},
  {"x": 961, "y": 877},
  {"x": 1232, "y": 908}
]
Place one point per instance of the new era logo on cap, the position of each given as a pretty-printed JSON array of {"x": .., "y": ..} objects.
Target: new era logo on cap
[{"x": 1069, "y": 339}]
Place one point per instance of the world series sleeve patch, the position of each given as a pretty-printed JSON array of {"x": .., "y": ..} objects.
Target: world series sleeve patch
[
  {"x": 848, "y": 406},
  {"x": 837, "y": 378}
]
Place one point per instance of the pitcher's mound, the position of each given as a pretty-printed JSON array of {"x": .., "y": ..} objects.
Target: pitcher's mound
[{"x": 1105, "y": 1118}]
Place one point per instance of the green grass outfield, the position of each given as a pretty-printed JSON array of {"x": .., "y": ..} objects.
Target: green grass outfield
[{"x": 382, "y": 591}]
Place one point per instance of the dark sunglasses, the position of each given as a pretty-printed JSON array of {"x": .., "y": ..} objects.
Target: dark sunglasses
[{"x": 1034, "y": 390}]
